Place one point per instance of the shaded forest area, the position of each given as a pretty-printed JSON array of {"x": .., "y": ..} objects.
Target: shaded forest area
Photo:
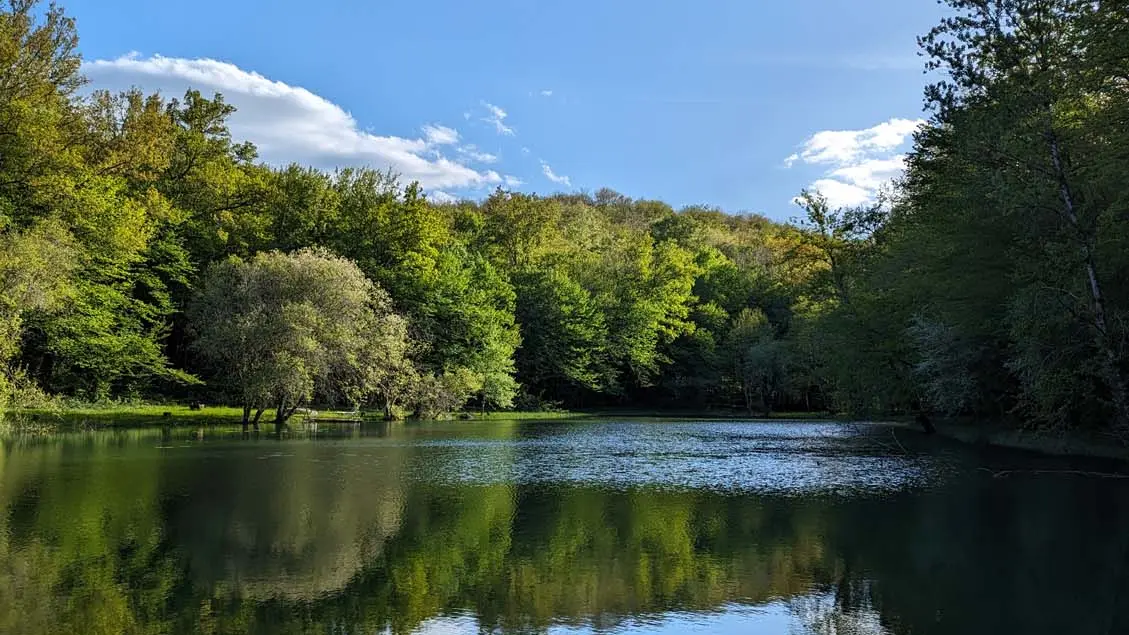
[{"x": 144, "y": 253}]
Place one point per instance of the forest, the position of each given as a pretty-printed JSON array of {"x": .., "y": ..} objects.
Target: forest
[{"x": 146, "y": 254}]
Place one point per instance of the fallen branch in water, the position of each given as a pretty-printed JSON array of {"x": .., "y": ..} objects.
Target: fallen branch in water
[{"x": 895, "y": 435}]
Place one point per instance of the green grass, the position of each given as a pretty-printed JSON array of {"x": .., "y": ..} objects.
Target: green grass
[
  {"x": 132, "y": 416},
  {"x": 139, "y": 416},
  {"x": 136, "y": 416}
]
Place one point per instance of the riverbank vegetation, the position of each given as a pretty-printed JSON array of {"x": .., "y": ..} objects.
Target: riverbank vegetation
[{"x": 144, "y": 252}]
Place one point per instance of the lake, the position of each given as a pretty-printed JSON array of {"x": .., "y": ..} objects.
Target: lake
[{"x": 557, "y": 527}]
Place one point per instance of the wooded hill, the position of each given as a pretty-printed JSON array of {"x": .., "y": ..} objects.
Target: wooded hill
[{"x": 144, "y": 252}]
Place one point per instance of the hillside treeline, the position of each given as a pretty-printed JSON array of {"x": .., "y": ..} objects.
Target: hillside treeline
[{"x": 146, "y": 253}]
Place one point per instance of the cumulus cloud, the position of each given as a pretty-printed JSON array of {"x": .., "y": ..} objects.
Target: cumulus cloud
[
  {"x": 291, "y": 124},
  {"x": 845, "y": 146},
  {"x": 840, "y": 194},
  {"x": 512, "y": 181},
  {"x": 546, "y": 93},
  {"x": 871, "y": 174},
  {"x": 497, "y": 117},
  {"x": 553, "y": 176},
  {"x": 858, "y": 163}
]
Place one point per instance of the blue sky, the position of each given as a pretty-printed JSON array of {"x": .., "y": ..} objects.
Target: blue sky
[{"x": 732, "y": 103}]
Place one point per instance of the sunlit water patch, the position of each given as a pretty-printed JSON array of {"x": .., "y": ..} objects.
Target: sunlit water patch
[{"x": 777, "y": 458}]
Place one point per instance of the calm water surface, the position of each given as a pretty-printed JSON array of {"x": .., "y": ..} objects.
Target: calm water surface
[{"x": 583, "y": 527}]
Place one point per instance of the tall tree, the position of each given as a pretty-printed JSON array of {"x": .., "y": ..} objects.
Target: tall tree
[{"x": 1019, "y": 87}]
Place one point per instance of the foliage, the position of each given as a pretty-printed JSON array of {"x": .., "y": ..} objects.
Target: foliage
[
  {"x": 756, "y": 359},
  {"x": 35, "y": 275},
  {"x": 989, "y": 281},
  {"x": 280, "y": 328}
]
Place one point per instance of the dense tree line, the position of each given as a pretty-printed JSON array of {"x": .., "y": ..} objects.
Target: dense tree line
[{"x": 147, "y": 253}]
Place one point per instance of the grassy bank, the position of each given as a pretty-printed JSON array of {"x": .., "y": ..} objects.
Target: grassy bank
[
  {"x": 128, "y": 416},
  {"x": 92, "y": 416},
  {"x": 137, "y": 416}
]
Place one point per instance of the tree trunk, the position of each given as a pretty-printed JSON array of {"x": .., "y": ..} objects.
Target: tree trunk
[
  {"x": 280, "y": 417},
  {"x": 246, "y": 416},
  {"x": 282, "y": 414},
  {"x": 255, "y": 421},
  {"x": 1110, "y": 363}
]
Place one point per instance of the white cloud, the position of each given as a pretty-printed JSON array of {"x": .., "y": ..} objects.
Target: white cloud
[
  {"x": 439, "y": 196},
  {"x": 497, "y": 117},
  {"x": 840, "y": 194},
  {"x": 512, "y": 181},
  {"x": 845, "y": 146},
  {"x": 546, "y": 93},
  {"x": 292, "y": 124},
  {"x": 553, "y": 176},
  {"x": 858, "y": 162},
  {"x": 872, "y": 173},
  {"x": 524, "y": 150},
  {"x": 440, "y": 135},
  {"x": 472, "y": 153}
]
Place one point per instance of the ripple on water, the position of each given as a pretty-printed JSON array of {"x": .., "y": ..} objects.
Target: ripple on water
[{"x": 753, "y": 457}]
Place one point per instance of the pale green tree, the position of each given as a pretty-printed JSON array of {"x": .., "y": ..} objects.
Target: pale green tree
[
  {"x": 281, "y": 328},
  {"x": 35, "y": 275}
]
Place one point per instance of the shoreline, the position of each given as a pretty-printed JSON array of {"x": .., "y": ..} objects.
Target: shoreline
[
  {"x": 994, "y": 435},
  {"x": 142, "y": 415},
  {"x": 1069, "y": 444}
]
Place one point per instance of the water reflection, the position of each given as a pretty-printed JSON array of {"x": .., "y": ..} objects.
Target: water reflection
[{"x": 562, "y": 528}]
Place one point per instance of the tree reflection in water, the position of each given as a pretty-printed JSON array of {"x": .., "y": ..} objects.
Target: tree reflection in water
[{"x": 105, "y": 533}]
